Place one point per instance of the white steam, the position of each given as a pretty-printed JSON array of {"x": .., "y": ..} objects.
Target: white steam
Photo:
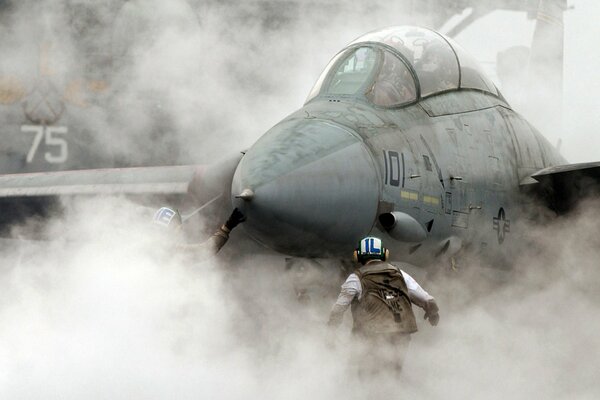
[{"x": 108, "y": 311}]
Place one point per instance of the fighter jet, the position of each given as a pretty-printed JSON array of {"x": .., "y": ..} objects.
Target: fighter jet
[{"x": 402, "y": 137}]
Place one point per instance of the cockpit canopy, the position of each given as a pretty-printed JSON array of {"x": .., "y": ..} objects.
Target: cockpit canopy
[{"x": 399, "y": 65}]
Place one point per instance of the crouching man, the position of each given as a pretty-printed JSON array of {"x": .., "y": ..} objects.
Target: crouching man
[{"x": 170, "y": 218}]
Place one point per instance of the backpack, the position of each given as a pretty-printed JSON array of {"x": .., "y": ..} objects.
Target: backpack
[{"x": 384, "y": 306}]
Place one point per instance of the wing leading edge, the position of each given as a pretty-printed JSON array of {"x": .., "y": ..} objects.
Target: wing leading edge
[
  {"x": 142, "y": 180},
  {"x": 561, "y": 187}
]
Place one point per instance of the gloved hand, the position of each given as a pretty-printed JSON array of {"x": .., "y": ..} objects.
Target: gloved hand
[
  {"x": 234, "y": 219},
  {"x": 432, "y": 312}
]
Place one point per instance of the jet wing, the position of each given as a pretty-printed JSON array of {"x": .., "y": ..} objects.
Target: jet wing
[
  {"x": 201, "y": 182},
  {"x": 143, "y": 180},
  {"x": 561, "y": 187}
]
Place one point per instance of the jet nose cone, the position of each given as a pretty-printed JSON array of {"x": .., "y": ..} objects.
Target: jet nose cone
[{"x": 307, "y": 188}]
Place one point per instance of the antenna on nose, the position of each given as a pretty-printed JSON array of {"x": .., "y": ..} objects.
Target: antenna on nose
[{"x": 246, "y": 195}]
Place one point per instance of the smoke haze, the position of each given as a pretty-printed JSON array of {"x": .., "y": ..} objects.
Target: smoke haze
[{"x": 106, "y": 310}]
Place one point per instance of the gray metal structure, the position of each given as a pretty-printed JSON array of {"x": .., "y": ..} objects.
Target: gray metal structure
[{"x": 402, "y": 137}]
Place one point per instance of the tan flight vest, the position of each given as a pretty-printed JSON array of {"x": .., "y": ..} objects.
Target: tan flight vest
[{"x": 384, "y": 306}]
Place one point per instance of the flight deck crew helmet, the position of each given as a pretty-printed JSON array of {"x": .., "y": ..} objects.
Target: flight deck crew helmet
[
  {"x": 168, "y": 218},
  {"x": 370, "y": 248}
]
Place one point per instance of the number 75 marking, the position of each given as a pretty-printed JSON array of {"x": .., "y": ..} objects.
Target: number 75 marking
[{"x": 50, "y": 134}]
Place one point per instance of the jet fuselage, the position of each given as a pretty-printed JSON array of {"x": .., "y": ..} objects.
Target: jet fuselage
[{"x": 453, "y": 162}]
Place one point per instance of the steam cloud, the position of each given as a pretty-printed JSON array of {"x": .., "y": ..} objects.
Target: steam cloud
[{"x": 108, "y": 311}]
